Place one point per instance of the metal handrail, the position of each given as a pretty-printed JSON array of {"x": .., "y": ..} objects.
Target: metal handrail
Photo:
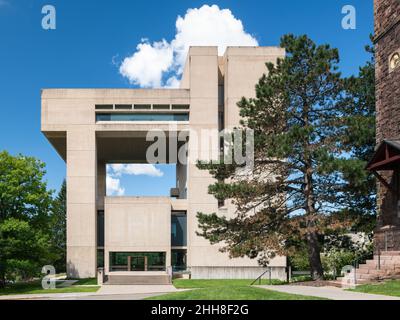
[{"x": 261, "y": 275}]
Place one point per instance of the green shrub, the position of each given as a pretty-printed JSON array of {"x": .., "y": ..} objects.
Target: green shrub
[
  {"x": 299, "y": 261},
  {"x": 335, "y": 260}
]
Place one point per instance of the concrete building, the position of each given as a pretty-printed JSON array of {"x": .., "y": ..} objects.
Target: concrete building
[{"x": 91, "y": 128}]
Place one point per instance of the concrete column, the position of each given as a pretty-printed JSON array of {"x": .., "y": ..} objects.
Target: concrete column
[
  {"x": 81, "y": 201},
  {"x": 203, "y": 75}
]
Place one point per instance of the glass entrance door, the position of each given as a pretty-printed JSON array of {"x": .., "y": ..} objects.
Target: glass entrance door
[{"x": 138, "y": 263}]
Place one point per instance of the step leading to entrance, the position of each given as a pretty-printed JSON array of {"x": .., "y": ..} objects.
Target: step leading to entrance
[
  {"x": 137, "y": 279},
  {"x": 387, "y": 266}
]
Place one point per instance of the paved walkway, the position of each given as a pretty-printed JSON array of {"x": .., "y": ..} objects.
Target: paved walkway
[
  {"x": 106, "y": 292},
  {"x": 40, "y": 296},
  {"x": 136, "y": 289},
  {"x": 139, "y": 292},
  {"x": 137, "y": 296},
  {"x": 332, "y": 293}
]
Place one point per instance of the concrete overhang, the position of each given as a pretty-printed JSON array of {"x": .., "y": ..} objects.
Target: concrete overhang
[
  {"x": 58, "y": 139},
  {"x": 109, "y": 95}
]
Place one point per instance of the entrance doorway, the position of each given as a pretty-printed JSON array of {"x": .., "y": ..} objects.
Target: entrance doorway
[{"x": 137, "y": 261}]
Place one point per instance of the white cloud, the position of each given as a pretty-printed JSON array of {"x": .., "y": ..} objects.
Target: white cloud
[
  {"x": 135, "y": 169},
  {"x": 113, "y": 186},
  {"x": 205, "y": 26},
  {"x": 146, "y": 66},
  {"x": 114, "y": 171}
]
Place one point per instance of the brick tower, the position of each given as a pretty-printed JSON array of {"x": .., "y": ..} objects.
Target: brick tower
[{"x": 386, "y": 161}]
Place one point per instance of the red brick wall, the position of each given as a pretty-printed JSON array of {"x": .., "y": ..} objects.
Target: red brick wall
[
  {"x": 386, "y": 12},
  {"x": 387, "y": 37},
  {"x": 387, "y": 32}
]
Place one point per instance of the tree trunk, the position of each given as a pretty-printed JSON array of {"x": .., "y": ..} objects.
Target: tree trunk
[
  {"x": 2, "y": 280},
  {"x": 314, "y": 256}
]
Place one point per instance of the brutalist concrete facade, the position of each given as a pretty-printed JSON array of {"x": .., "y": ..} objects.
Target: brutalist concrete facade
[{"x": 85, "y": 127}]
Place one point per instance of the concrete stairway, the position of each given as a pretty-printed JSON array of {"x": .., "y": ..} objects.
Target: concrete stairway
[
  {"x": 137, "y": 279},
  {"x": 387, "y": 266}
]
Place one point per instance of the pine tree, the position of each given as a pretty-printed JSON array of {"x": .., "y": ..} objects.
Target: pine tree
[
  {"x": 359, "y": 104},
  {"x": 301, "y": 159}
]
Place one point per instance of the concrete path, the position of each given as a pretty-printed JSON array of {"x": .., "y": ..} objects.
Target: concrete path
[
  {"x": 332, "y": 293},
  {"x": 106, "y": 292},
  {"x": 39, "y": 296},
  {"x": 137, "y": 296},
  {"x": 136, "y": 289}
]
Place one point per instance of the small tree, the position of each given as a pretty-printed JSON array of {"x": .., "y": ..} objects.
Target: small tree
[
  {"x": 24, "y": 216},
  {"x": 23, "y": 250},
  {"x": 300, "y": 159},
  {"x": 23, "y": 191}
]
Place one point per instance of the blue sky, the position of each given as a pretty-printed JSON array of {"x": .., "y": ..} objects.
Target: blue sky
[{"x": 92, "y": 39}]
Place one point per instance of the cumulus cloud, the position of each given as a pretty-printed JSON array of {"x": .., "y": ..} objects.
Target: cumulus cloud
[
  {"x": 135, "y": 169},
  {"x": 146, "y": 66},
  {"x": 113, "y": 186},
  {"x": 160, "y": 64},
  {"x": 115, "y": 171}
]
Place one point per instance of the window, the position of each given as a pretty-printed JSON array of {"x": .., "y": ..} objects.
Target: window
[
  {"x": 394, "y": 61},
  {"x": 123, "y": 107},
  {"x": 100, "y": 228},
  {"x": 180, "y": 107},
  {"x": 142, "y": 117},
  {"x": 100, "y": 258},
  {"x": 142, "y": 106},
  {"x": 160, "y": 106},
  {"x": 178, "y": 260},
  {"x": 104, "y": 106},
  {"x": 178, "y": 229},
  {"x": 137, "y": 261}
]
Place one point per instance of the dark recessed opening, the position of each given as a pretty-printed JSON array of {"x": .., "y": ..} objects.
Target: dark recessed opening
[
  {"x": 180, "y": 107},
  {"x": 160, "y": 106},
  {"x": 142, "y": 106},
  {"x": 123, "y": 107},
  {"x": 104, "y": 107}
]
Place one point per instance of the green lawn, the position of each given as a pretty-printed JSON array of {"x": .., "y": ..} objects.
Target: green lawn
[
  {"x": 237, "y": 289},
  {"x": 198, "y": 283},
  {"x": 388, "y": 288},
  {"x": 35, "y": 287},
  {"x": 231, "y": 293}
]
